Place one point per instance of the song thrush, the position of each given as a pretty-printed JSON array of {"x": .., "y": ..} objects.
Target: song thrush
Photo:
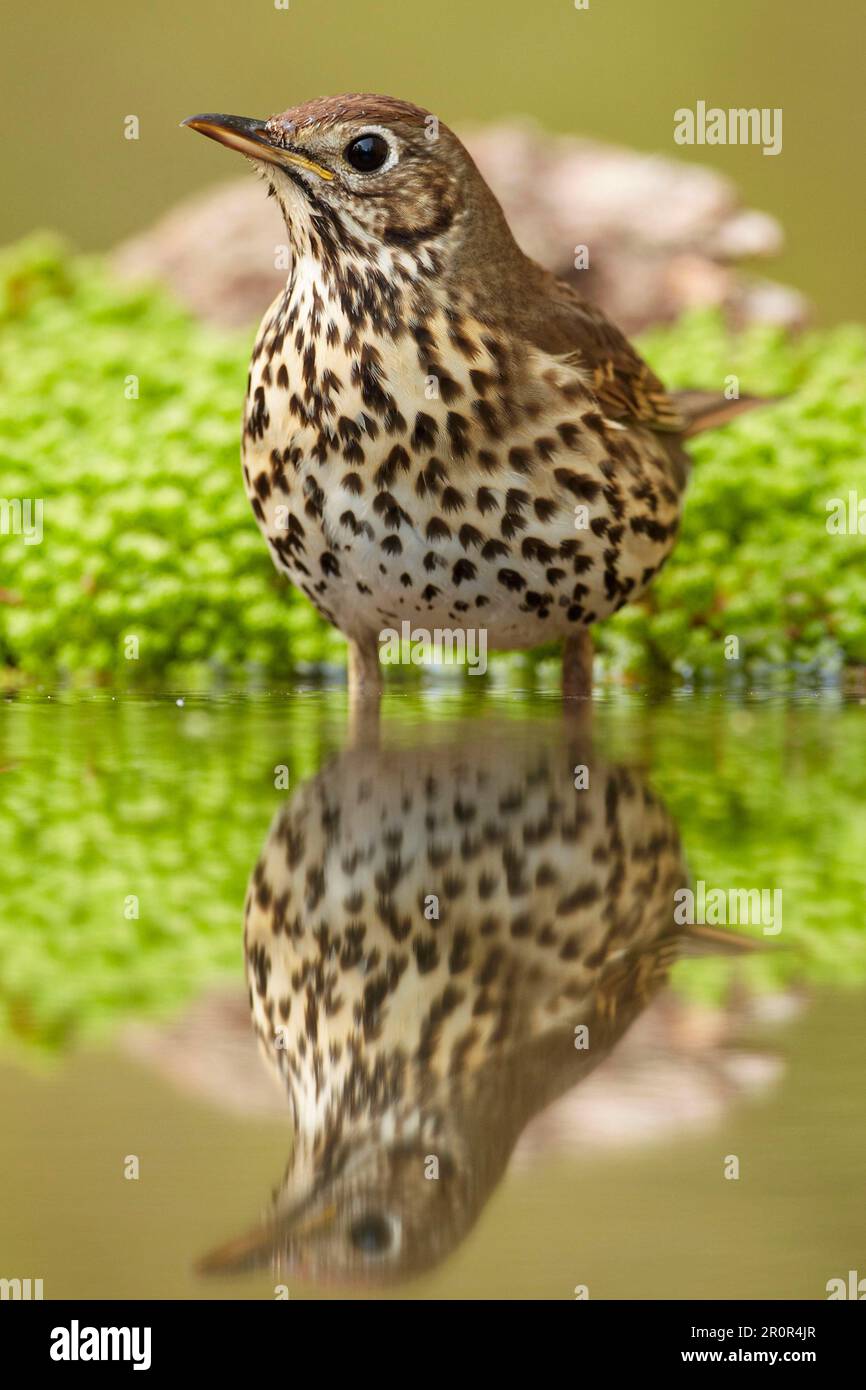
[
  {"x": 436, "y": 428},
  {"x": 423, "y": 934}
]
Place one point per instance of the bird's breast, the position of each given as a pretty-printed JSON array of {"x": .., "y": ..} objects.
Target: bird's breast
[{"x": 438, "y": 471}]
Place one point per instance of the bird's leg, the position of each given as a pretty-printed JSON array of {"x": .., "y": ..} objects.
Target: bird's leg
[
  {"x": 365, "y": 692},
  {"x": 577, "y": 663},
  {"x": 365, "y": 673}
]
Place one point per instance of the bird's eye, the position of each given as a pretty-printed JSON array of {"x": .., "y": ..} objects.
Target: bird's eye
[
  {"x": 372, "y": 1234},
  {"x": 367, "y": 154}
]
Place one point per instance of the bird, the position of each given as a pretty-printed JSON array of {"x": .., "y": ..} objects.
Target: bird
[
  {"x": 437, "y": 430},
  {"x": 440, "y": 941}
]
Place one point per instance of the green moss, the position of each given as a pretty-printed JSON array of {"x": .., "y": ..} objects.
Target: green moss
[
  {"x": 147, "y": 531},
  {"x": 754, "y": 559},
  {"x": 107, "y": 798},
  {"x": 148, "y": 534},
  {"x": 105, "y": 802}
]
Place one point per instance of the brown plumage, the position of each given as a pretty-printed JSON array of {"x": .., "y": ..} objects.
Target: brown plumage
[
  {"x": 437, "y": 429},
  {"x": 424, "y": 932}
]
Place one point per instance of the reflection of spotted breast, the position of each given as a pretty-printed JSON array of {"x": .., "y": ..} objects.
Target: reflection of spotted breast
[
  {"x": 425, "y": 929},
  {"x": 415, "y": 914}
]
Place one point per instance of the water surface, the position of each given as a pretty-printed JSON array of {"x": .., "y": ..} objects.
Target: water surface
[{"x": 553, "y": 848}]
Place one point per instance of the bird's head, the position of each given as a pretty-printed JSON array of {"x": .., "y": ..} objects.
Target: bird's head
[
  {"x": 362, "y": 173},
  {"x": 377, "y": 1214}
]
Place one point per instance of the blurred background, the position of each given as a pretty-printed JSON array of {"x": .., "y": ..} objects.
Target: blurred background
[{"x": 616, "y": 71}]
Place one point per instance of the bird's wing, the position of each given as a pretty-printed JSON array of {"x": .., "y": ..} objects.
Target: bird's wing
[{"x": 626, "y": 388}]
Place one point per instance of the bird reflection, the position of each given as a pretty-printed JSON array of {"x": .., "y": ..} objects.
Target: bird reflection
[{"x": 441, "y": 940}]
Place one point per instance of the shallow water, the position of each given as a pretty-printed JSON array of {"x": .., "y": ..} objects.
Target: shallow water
[{"x": 553, "y": 848}]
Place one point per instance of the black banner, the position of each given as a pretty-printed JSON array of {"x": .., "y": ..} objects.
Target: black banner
[{"x": 65, "y": 1338}]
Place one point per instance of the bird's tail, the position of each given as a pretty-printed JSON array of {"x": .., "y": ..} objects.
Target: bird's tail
[{"x": 707, "y": 410}]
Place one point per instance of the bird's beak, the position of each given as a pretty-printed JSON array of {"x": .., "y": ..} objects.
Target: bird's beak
[
  {"x": 273, "y": 1240},
  {"x": 252, "y": 138}
]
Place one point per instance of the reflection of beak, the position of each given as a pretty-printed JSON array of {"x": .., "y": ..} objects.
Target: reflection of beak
[
  {"x": 252, "y": 138},
  {"x": 260, "y": 1245}
]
